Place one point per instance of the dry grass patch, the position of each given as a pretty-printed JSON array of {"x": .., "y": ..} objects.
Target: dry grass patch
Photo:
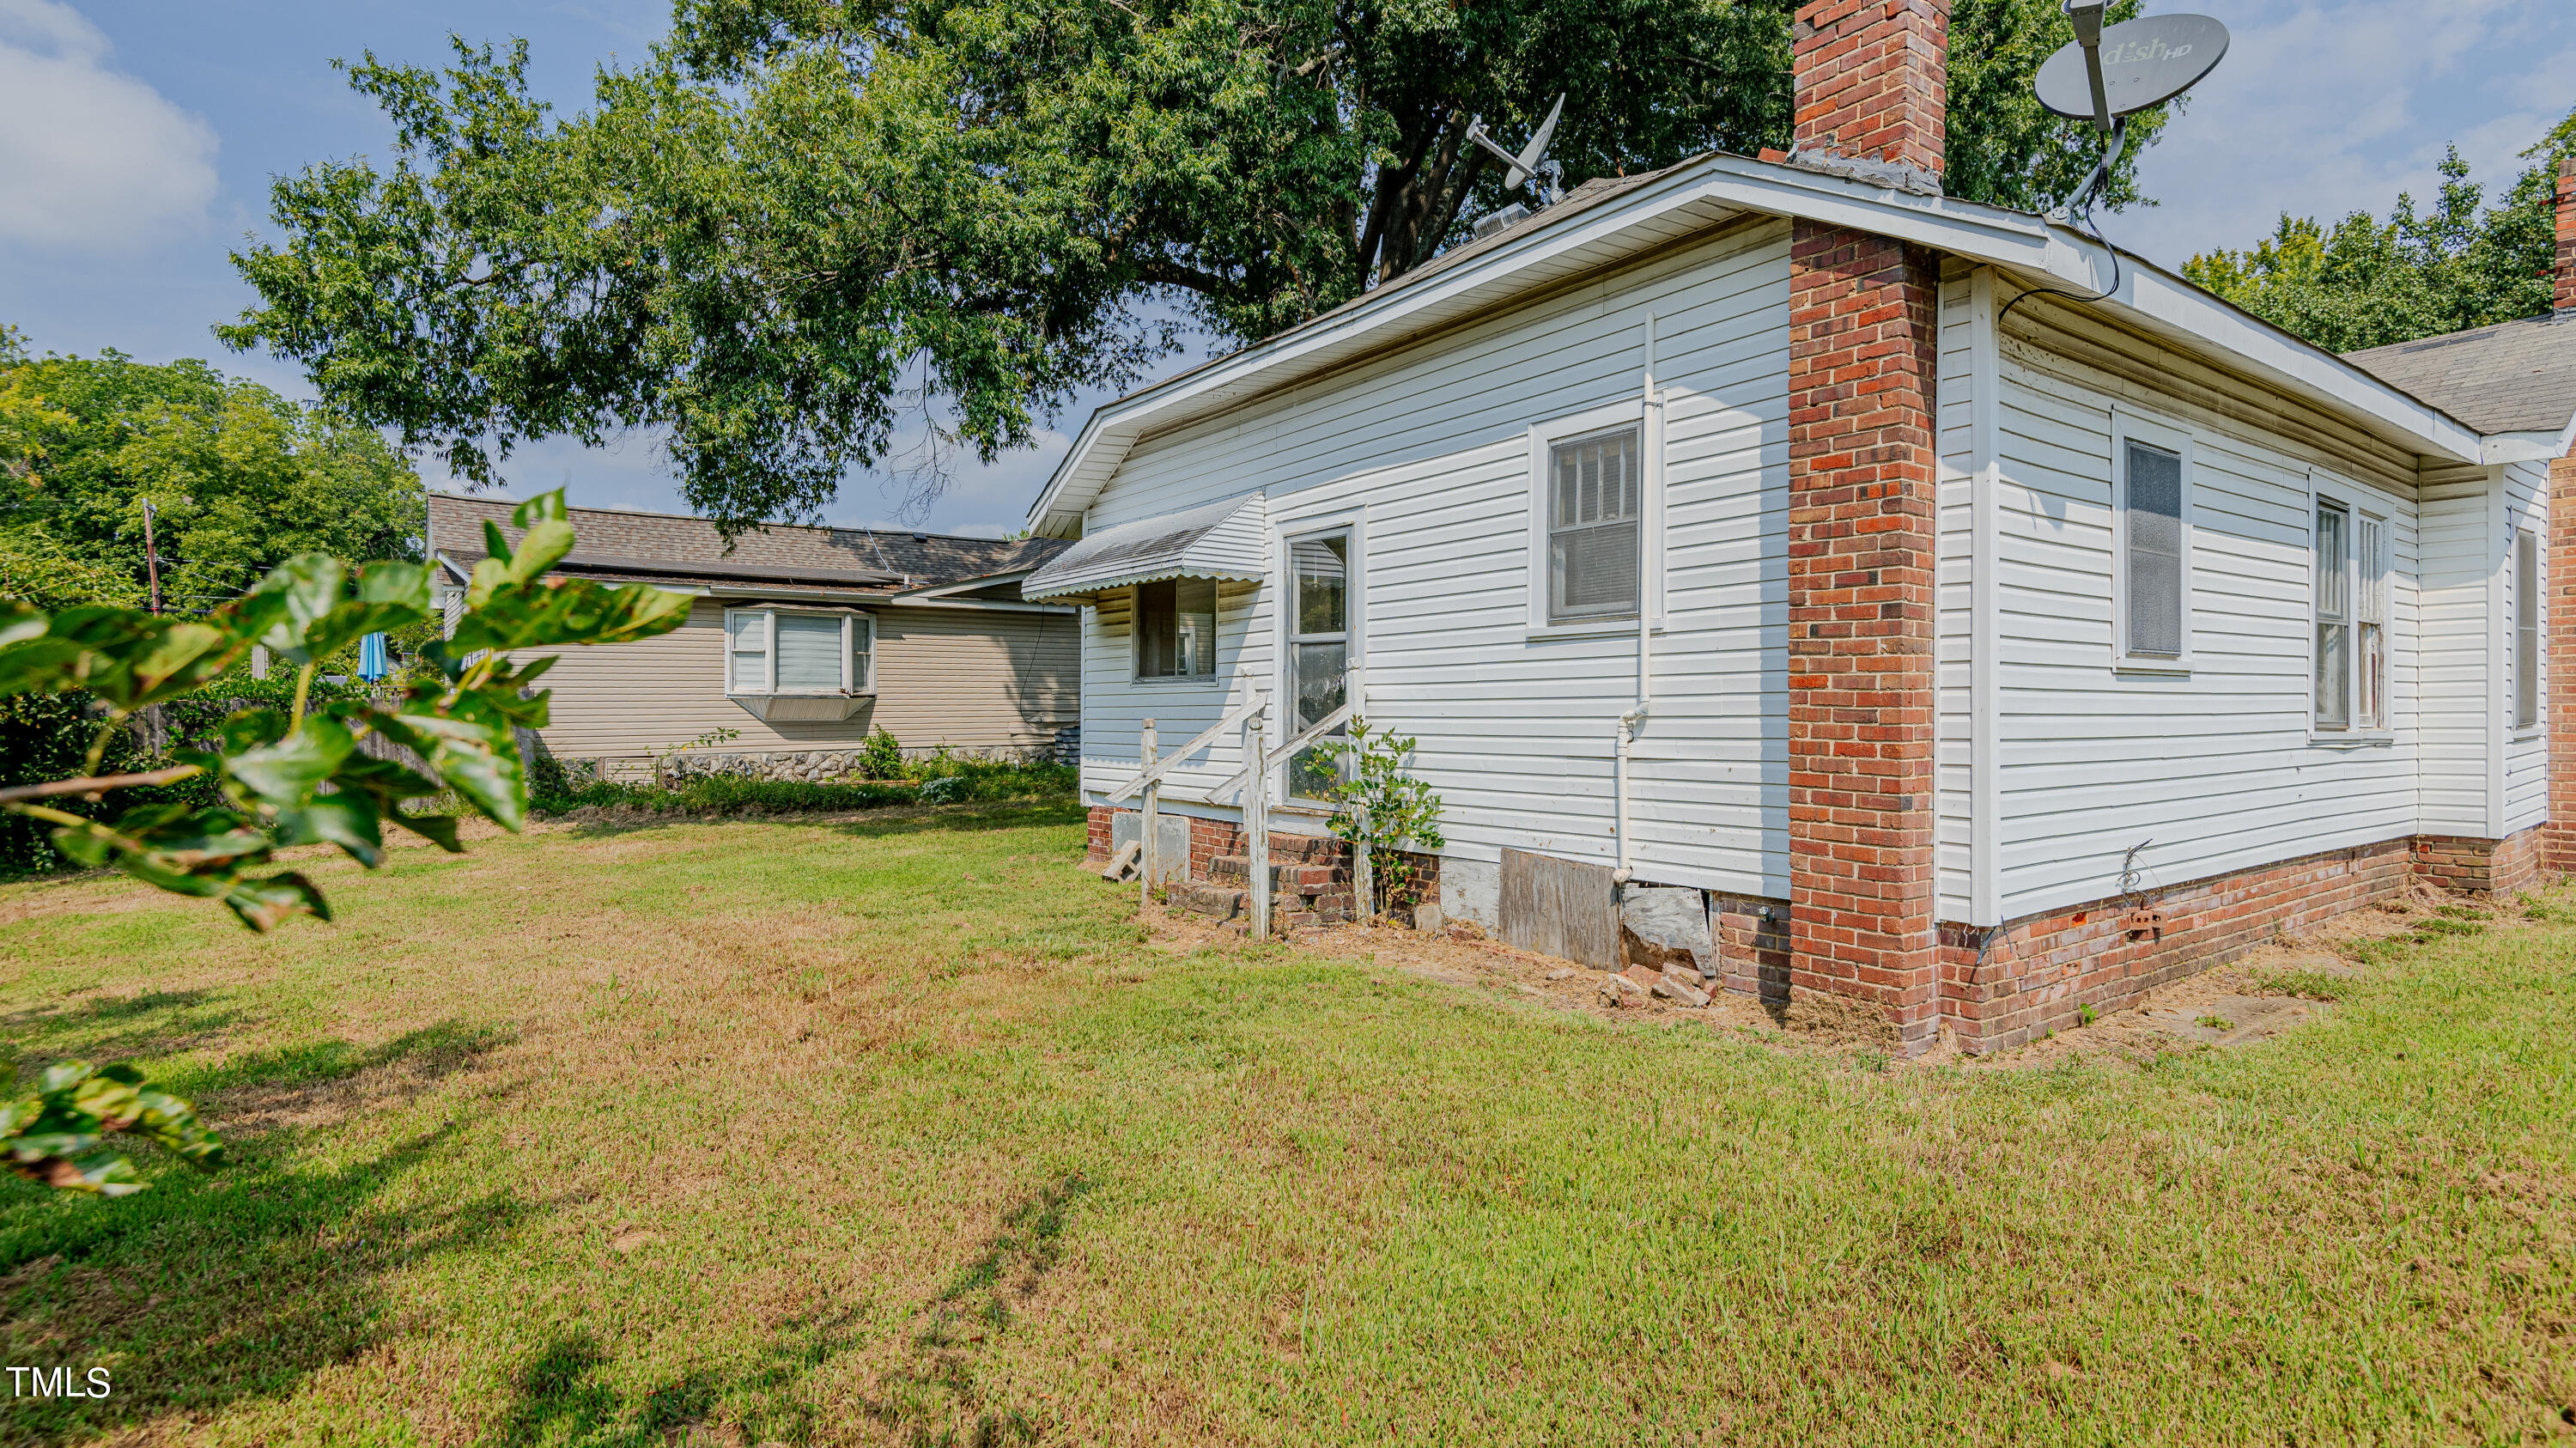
[{"x": 905, "y": 1131}]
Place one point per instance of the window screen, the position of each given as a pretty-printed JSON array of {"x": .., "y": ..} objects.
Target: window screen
[
  {"x": 2370, "y": 561},
  {"x": 2526, "y": 628},
  {"x": 1176, "y": 628},
  {"x": 2334, "y": 617},
  {"x": 2153, "y": 504},
  {"x": 1595, "y": 510},
  {"x": 747, "y": 653},
  {"x": 809, "y": 652}
]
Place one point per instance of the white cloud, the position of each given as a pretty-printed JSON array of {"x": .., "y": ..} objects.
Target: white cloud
[
  {"x": 2325, "y": 107},
  {"x": 90, "y": 157}
]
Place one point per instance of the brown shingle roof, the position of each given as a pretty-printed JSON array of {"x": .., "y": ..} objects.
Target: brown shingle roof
[
  {"x": 2515, "y": 376},
  {"x": 615, "y": 541}
]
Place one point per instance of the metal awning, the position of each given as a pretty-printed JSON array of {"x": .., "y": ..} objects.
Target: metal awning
[{"x": 1222, "y": 539}]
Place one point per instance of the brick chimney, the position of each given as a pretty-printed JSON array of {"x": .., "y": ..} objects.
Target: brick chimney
[
  {"x": 2566, "y": 274},
  {"x": 1863, "y": 483},
  {"x": 1872, "y": 79}
]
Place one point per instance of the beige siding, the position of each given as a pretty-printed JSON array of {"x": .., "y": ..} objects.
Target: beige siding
[{"x": 970, "y": 679}]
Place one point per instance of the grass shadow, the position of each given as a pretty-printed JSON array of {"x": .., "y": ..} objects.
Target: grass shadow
[
  {"x": 116, "y": 1027},
  {"x": 936, "y": 1399},
  {"x": 210, "y": 1288}
]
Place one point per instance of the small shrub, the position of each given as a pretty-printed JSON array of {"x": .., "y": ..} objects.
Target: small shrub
[
  {"x": 882, "y": 756},
  {"x": 2086, "y": 1015}
]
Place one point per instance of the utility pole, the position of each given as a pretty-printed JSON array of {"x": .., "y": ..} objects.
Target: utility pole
[{"x": 151, "y": 556}]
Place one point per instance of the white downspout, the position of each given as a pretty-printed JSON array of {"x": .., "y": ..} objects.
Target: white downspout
[{"x": 1650, "y": 493}]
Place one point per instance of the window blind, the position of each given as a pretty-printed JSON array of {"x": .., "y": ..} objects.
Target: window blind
[{"x": 809, "y": 652}]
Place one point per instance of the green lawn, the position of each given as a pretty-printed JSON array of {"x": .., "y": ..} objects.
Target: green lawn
[{"x": 900, "y": 1131}]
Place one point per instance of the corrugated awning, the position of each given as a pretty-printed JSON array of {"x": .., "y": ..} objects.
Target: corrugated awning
[{"x": 1215, "y": 540}]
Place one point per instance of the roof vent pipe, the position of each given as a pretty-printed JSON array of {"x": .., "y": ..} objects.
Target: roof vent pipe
[{"x": 1650, "y": 464}]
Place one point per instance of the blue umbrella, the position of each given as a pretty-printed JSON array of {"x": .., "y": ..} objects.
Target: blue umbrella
[{"x": 371, "y": 657}]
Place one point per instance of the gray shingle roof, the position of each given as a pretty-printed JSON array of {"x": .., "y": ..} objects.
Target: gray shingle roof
[
  {"x": 2515, "y": 376},
  {"x": 667, "y": 545}
]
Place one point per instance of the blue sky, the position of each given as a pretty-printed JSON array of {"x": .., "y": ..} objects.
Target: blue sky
[{"x": 137, "y": 140}]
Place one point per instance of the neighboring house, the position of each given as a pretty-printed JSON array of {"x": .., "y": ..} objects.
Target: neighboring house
[
  {"x": 1927, "y": 584},
  {"x": 803, "y": 640}
]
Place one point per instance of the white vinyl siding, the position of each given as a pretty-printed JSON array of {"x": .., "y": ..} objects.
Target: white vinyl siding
[
  {"x": 2215, "y": 766},
  {"x": 2526, "y": 749},
  {"x": 1432, "y": 444}
]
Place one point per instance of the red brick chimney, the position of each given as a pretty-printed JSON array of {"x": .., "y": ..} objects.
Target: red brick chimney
[
  {"x": 2566, "y": 288},
  {"x": 1872, "y": 79},
  {"x": 1863, "y": 482}
]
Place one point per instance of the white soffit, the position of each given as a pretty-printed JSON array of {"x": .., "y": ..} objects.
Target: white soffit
[
  {"x": 1701, "y": 194},
  {"x": 1222, "y": 539}
]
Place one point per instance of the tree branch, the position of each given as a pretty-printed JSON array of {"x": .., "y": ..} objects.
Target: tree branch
[{"x": 99, "y": 784}]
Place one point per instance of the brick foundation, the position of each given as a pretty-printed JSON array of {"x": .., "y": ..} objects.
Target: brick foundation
[{"x": 2485, "y": 869}]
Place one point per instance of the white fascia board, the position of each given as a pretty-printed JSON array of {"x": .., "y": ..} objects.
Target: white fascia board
[
  {"x": 2530, "y": 447},
  {"x": 2031, "y": 246}
]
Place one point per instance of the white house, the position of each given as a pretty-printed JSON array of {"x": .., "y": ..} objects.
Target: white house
[{"x": 1990, "y": 623}]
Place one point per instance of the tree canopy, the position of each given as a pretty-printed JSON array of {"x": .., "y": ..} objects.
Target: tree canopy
[
  {"x": 241, "y": 479},
  {"x": 2363, "y": 282},
  {"x": 801, "y": 218}
]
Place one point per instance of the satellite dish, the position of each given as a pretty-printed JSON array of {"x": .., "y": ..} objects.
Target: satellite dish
[
  {"x": 2125, "y": 68},
  {"x": 1520, "y": 168}
]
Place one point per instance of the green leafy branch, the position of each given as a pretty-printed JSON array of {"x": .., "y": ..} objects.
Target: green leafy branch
[
  {"x": 58, "y": 1133},
  {"x": 294, "y": 776},
  {"x": 298, "y": 776}
]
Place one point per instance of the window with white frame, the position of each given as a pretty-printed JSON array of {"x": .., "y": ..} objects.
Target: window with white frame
[
  {"x": 799, "y": 651},
  {"x": 2332, "y": 659},
  {"x": 1176, "y": 628},
  {"x": 2526, "y": 628},
  {"x": 2155, "y": 560},
  {"x": 1319, "y": 655},
  {"x": 1595, "y": 526}
]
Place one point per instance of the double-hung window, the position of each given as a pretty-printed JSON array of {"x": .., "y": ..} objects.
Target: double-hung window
[
  {"x": 1319, "y": 655},
  {"x": 2526, "y": 628},
  {"x": 2152, "y": 538},
  {"x": 1176, "y": 629},
  {"x": 1595, "y": 526},
  {"x": 780, "y": 651}
]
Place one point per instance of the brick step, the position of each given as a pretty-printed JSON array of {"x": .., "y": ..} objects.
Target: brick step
[
  {"x": 1288, "y": 912},
  {"x": 1286, "y": 877}
]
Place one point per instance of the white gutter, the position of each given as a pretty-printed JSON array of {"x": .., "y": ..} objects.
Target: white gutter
[{"x": 2529, "y": 447}]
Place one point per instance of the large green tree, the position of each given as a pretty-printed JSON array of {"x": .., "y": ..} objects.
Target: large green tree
[
  {"x": 801, "y": 216},
  {"x": 240, "y": 479},
  {"x": 2363, "y": 282}
]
